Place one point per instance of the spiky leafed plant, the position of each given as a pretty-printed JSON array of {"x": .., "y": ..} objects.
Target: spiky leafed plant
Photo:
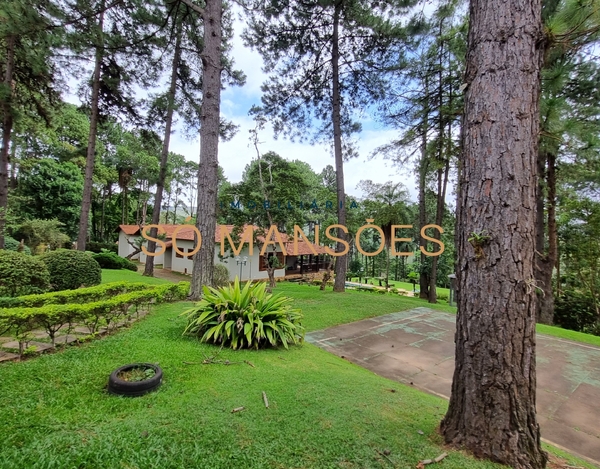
[{"x": 245, "y": 317}]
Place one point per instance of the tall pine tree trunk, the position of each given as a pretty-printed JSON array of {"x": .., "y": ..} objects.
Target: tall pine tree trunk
[
  {"x": 206, "y": 221},
  {"x": 7, "y": 123},
  {"x": 340, "y": 264},
  {"x": 439, "y": 217},
  {"x": 91, "y": 149},
  {"x": 442, "y": 175},
  {"x": 546, "y": 257},
  {"x": 423, "y": 163},
  {"x": 164, "y": 156},
  {"x": 492, "y": 405}
]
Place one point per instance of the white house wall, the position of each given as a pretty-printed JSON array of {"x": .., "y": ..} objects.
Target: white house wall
[
  {"x": 124, "y": 247},
  {"x": 249, "y": 271},
  {"x": 158, "y": 260}
]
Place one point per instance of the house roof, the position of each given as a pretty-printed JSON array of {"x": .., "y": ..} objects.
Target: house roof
[
  {"x": 303, "y": 248},
  {"x": 186, "y": 232}
]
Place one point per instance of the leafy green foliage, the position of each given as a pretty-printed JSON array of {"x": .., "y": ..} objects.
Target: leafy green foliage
[
  {"x": 79, "y": 296},
  {"x": 576, "y": 311},
  {"x": 221, "y": 276},
  {"x": 72, "y": 269},
  {"x": 51, "y": 317},
  {"x": 52, "y": 190},
  {"x": 109, "y": 260},
  {"x": 11, "y": 244},
  {"x": 41, "y": 232},
  {"x": 22, "y": 274},
  {"x": 244, "y": 318},
  {"x": 102, "y": 247}
]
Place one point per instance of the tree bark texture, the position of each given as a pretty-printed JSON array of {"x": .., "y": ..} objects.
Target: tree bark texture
[
  {"x": 492, "y": 405},
  {"x": 340, "y": 264},
  {"x": 206, "y": 220},
  {"x": 88, "y": 182},
  {"x": 164, "y": 156},
  {"x": 7, "y": 124}
]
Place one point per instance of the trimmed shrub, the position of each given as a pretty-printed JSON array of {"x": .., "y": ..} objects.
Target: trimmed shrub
[
  {"x": 244, "y": 318},
  {"x": 220, "y": 276},
  {"x": 71, "y": 269},
  {"x": 101, "y": 247},
  {"x": 109, "y": 260},
  {"x": 21, "y": 274},
  {"x": 21, "y": 319},
  {"x": 11, "y": 244},
  {"x": 443, "y": 296}
]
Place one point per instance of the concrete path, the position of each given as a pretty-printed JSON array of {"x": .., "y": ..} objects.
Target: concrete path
[{"x": 416, "y": 347}]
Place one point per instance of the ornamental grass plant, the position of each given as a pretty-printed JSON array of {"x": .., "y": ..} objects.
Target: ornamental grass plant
[{"x": 247, "y": 317}]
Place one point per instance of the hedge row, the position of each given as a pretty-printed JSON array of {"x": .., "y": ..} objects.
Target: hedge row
[
  {"x": 52, "y": 317},
  {"x": 81, "y": 295}
]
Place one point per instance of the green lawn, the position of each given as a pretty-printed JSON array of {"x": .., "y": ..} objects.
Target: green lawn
[
  {"x": 327, "y": 308},
  {"x": 324, "y": 411},
  {"x": 109, "y": 275},
  {"x": 404, "y": 285}
]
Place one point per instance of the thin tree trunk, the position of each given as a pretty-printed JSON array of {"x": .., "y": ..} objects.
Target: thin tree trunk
[
  {"x": 91, "y": 149},
  {"x": 546, "y": 258},
  {"x": 423, "y": 277},
  {"x": 442, "y": 181},
  {"x": 340, "y": 264},
  {"x": 7, "y": 123},
  {"x": 164, "y": 156},
  {"x": 439, "y": 217},
  {"x": 202, "y": 272},
  {"x": 103, "y": 216},
  {"x": 492, "y": 404},
  {"x": 13, "y": 165}
]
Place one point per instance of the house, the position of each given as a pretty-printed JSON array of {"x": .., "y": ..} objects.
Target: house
[{"x": 179, "y": 243}]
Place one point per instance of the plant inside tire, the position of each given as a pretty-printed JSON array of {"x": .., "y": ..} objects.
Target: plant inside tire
[{"x": 135, "y": 379}]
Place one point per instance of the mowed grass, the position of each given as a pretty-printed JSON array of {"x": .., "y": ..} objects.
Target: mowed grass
[
  {"x": 327, "y": 308},
  {"x": 122, "y": 275},
  {"x": 324, "y": 411}
]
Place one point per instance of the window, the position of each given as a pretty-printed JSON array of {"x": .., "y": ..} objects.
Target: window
[
  {"x": 179, "y": 256},
  {"x": 263, "y": 260}
]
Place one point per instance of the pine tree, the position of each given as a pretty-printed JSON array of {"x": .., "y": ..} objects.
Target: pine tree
[
  {"x": 28, "y": 74},
  {"x": 321, "y": 56},
  {"x": 492, "y": 405},
  {"x": 573, "y": 27},
  {"x": 425, "y": 102}
]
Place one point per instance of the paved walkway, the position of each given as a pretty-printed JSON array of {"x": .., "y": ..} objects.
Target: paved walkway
[{"x": 417, "y": 347}]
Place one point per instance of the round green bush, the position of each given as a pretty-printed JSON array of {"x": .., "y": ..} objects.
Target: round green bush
[
  {"x": 22, "y": 274},
  {"x": 108, "y": 260},
  {"x": 220, "y": 276},
  {"x": 11, "y": 244},
  {"x": 101, "y": 247},
  {"x": 71, "y": 269}
]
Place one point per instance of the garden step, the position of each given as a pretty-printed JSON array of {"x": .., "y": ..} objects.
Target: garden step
[
  {"x": 7, "y": 356},
  {"x": 14, "y": 345},
  {"x": 68, "y": 339}
]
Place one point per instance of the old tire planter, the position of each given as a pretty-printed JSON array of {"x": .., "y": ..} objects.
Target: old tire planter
[{"x": 121, "y": 387}]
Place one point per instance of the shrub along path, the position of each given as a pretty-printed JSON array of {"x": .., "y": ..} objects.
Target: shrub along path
[{"x": 416, "y": 347}]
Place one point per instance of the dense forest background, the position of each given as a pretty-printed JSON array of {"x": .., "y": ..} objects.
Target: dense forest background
[{"x": 138, "y": 66}]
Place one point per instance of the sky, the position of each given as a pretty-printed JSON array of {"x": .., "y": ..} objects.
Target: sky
[
  {"x": 235, "y": 154},
  {"x": 238, "y": 152}
]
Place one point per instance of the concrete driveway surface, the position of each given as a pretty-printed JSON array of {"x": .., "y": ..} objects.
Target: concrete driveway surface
[{"x": 416, "y": 347}]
